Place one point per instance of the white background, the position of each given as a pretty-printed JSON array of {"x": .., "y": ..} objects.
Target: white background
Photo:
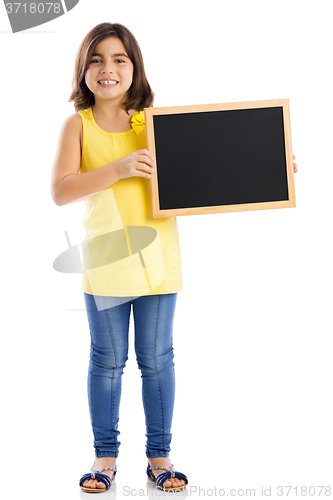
[{"x": 253, "y": 324}]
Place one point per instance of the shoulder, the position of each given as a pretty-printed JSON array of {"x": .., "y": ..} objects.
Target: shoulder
[
  {"x": 73, "y": 121},
  {"x": 72, "y": 124},
  {"x": 72, "y": 127}
]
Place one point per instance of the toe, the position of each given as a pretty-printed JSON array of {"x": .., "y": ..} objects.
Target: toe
[
  {"x": 178, "y": 483},
  {"x": 167, "y": 484},
  {"x": 91, "y": 483},
  {"x": 100, "y": 485}
]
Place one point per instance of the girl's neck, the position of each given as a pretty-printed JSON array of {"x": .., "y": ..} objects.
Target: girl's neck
[
  {"x": 111, "y": 111},
  {"x": 112, "y": 118}
]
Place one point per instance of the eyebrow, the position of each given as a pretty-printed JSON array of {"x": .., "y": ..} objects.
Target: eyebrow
[{"x": 112, "y": 55}]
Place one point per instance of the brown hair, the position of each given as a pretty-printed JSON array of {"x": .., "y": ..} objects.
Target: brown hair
[{"x": 138, "y": 96}]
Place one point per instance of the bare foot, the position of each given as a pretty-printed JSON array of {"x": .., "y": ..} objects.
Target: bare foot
[
  {"x": 101, "y": 463},
  {"x": 172, "y": 482}
]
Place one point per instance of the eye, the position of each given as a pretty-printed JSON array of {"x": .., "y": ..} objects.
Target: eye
[
  {"x": 121, "y": 60},
  {"x": 95, "y": 61}
]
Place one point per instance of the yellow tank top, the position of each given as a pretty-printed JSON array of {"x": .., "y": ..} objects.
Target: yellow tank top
[{"x": 125, "y": 251}]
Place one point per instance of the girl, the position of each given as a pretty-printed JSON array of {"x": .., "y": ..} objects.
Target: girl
[{"x": 130, "y": 260}]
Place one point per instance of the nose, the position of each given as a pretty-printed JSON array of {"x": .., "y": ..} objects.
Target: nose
[{"x": 108, "y": 67}]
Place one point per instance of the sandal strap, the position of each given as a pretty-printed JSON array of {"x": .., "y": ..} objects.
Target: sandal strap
[
  {"x": 101, "y": 477},
  {"x": 171, "y": 472},
  {"x": 97, "y": 474},
  {"x": 102, "y": 470},
  {"x": 171, "y": 469}
]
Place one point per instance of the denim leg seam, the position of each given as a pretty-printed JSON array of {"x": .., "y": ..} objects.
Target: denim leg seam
[
  {"x": 156, "y": 371},
  {"x": 111, "y": 337},
  {"x": 113, "y": 409},
  {"x": 115, "y": 360},
  {"x": 146, "y": 406}
]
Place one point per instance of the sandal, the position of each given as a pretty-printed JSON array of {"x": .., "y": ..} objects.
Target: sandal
[
  {"x": 171, "y": 472},
  {"x": 96, "y": 474}
]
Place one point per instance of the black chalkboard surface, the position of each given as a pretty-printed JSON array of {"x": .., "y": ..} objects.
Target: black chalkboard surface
[{"x": 220, "y": 158}]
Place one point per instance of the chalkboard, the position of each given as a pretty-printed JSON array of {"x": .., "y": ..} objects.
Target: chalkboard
[{"x": 220, "y": 157}]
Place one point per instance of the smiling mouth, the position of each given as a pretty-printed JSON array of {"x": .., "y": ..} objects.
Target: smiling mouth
[{"x": 108, "y": 82}]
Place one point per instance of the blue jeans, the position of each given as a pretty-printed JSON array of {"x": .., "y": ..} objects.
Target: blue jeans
[{"x": 153, "y": 322}]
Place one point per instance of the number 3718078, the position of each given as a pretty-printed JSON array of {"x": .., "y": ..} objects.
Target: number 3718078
[{"x": 33, "y": 8}]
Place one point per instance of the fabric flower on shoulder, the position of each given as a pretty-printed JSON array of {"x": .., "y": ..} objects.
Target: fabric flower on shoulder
[{"x": 138, "y": 122}]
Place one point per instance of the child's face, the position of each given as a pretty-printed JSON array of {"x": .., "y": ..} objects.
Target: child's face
[{"x": 110, "y": 71}]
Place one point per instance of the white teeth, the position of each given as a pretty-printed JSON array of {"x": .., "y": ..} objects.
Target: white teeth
[{"x": 108, "y": 82}]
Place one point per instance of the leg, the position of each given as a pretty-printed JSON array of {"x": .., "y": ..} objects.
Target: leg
[
  {"x": 153, "y": 319},
  {"x": 108, "y": 355}
]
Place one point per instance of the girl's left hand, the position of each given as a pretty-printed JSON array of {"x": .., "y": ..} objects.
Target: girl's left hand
[{"x": 295, "y": 165}]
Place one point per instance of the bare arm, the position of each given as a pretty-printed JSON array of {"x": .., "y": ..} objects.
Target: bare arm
[{"x": 68, "y": 185}]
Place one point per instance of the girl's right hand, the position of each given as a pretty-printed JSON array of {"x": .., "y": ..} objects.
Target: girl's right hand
[{"x": 131, "y": 165}]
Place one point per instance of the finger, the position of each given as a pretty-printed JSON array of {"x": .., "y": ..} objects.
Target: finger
[
  {"x": 146, "y": 160},
  {"x": 146, "y": 153},
  {"x": 146, "y": 167},
  {"x": 139, "y": 173},
  {"x": 294, "y": 157},
  {"x": 150, "y": 155}
]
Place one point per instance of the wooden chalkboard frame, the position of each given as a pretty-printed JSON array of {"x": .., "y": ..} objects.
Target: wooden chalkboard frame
[{"x": 150, "y": 139}]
